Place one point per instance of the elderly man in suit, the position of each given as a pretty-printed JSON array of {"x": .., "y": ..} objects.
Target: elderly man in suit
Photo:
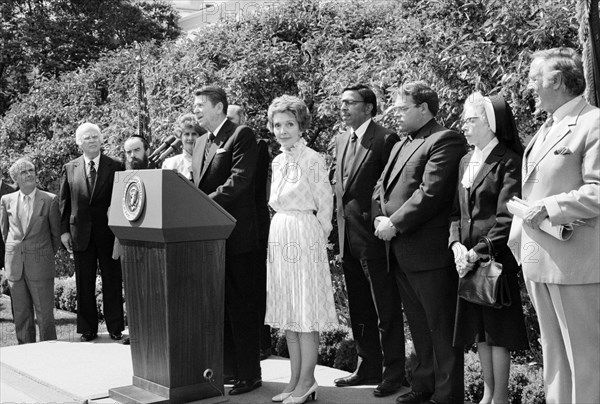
[
  {"x": 413, "y": 201},
  {"x": 30, "y": 224},
  {"x": 224, "y": 165},
  {"x": 561, "y": 183},
  {"x": 375, "y": 306},
  {"x": 85, "y": 194}
]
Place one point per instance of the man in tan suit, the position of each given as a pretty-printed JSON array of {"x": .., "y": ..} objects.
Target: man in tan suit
[
  {"x": 561, "y": 183},
  {"x": 30, "y": 223}
]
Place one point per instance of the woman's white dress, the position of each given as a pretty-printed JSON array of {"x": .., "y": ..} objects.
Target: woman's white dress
[
  {"x": 182, "y": 163},
  {"x": 299, "y": 288}
]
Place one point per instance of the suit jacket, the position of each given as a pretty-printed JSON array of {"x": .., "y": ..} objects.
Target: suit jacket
[
  {"x": 81, "y": 210},
  {"x": 353, "y": 202},
  {"x": 416, "y": 191},
  {"x": 228, "y": 179},
  {"x": 262, "y": 185},
  {"x": 481, "y": 210},
  {"x": 565, "y": 175},
  {"x": 30, "y": 249},
  {"x": 4, "y": 189}
]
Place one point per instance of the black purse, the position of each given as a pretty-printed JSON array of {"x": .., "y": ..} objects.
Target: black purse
[{"x": 486, "y": 285}]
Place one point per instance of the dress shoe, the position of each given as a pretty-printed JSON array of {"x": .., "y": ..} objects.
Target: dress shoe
[
  {"x": 245, "y": 386},
  {"x": 88, "y": 336},
  {"x": 229, "y": 379},
  {"x": 355, "y": 380},
  {"x": 281, "y": 397},
  {"x": 387, "y": 388},
  {"x": 311, "y": 393},
  {"x": 117, "y": 336},
  {"x": 413, "y": 397}
]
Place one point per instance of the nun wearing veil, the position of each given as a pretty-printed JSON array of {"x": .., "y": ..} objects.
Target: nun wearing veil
[{"x": 490, "y": 175}]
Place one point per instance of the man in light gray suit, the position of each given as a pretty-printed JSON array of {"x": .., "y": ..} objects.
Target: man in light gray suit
[
  {"x": 561, "y": 183},
  {"x": 30, "y": 224}
]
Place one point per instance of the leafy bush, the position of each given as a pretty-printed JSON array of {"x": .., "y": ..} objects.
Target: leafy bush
[
  {"x": 4, "y": 288},
  {"x": 67, "y": 300},
  {"x": 346, "y": 356},
  {"x": 329, "y": 344}
]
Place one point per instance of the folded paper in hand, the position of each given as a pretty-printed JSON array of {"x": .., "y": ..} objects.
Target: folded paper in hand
[{"x": 518, "y": 207}]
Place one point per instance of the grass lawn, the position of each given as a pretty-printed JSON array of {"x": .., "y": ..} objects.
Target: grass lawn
[{"x": 66, "y": 324}]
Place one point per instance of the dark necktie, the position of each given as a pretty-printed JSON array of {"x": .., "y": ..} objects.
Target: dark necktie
[
  {"x": 349, "y": 158},
  {"x": 92, "y": 174},
  {"x": 209, "y": 142}
]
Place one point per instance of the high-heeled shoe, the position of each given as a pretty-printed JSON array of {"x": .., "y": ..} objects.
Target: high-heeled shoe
[
  {"x": 312, "y": 393},
  {"x": 281, "y": 397}
]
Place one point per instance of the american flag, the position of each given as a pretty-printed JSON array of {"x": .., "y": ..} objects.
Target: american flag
[{"x": 143, "y": 113}]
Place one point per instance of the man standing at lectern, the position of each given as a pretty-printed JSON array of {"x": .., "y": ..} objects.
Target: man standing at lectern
[
  {"x": 223, "y": 165},
  {"x": 85, "y": 194}
]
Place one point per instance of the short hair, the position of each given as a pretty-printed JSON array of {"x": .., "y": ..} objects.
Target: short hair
[
  {"x": 84, "y": 127},
  {"x": 421, "y": 93},
  {"x": 188, "y": 121},
  {"x": 240, "y": 112},
  {"x": 215, "y": 95},
  {"x": 367, "y": 95},
  {"x": 143, "y": 139},
  {"x": 13, "y": 170},
  {"x": 568, "y": 63},
  {"x": 293, "y": 105}
]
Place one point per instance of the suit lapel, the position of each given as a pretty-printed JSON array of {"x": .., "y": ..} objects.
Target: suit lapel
[
  {"x": 406, "y": 153},
  {"x": 14, "y": 210},
  {"x": 224, "y": 133},
  {"x": 563, "y": 128},
  {"x": 490, "y": 162},
  {"x": 38, "y": 205},
  {"x": 104, "y": 170},
  {"x": 79, "y": 176},
  {"x": 363, "y": 146},
  {"x": 199, "y": 151}
]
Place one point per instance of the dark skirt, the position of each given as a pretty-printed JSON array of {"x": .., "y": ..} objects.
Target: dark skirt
[{"x": 503, "y": 327}]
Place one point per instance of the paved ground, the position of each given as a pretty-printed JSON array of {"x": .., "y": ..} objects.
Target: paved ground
[{"x": 73, "y": 372}]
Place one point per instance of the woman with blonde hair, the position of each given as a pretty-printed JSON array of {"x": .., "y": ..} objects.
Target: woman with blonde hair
[
  {"x": 188, "y": 130},
  {"x": 299, "y": 289}
]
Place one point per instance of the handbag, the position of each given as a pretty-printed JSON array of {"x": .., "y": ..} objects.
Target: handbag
[{"x": 486, "y": 285}]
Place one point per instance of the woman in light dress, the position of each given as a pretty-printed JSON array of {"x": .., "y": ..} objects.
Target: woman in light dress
[
  {"x": 188, "y": 130},
  {"x": 299, "y": 289}
]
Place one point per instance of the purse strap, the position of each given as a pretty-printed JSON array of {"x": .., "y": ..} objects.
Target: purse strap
[{"x": 490, "y": 247}]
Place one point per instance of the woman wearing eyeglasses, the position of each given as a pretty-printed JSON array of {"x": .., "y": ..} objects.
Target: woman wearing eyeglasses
[
  {"x": 489, "y": 176},
  {"x": 299, "y": 289}
]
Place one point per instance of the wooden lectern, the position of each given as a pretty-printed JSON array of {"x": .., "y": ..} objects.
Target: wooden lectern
[{"x": 173, "y": 258}]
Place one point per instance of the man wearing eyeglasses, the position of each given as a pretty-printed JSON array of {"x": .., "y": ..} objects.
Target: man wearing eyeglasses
[
  {"x": 375, "y": 306},
  {"x": 412, "y": 203}
]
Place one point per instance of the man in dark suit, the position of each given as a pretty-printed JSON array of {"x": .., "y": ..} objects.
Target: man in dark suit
[
  {"x": 224, "y": 164},
  {"x": 412, "y": 205},
  {"x": 375, "y": 306},
  {"x": 30, "y": 224},
  {"x": 4, "y": 189},
  {"x": 235, "y": 113},
  {"x": 85, "y": 195}
]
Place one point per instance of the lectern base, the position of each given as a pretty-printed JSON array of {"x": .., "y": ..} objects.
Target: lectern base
[{"x": 137, "y": 395}]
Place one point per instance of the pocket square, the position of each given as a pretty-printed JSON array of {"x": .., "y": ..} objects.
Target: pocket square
[
  {"x": 561, "y": 151},
  {"x": 219, "y": 151}
]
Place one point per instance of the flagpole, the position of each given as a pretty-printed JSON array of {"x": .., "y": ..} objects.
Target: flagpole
[{"x": 143, "y": 112}]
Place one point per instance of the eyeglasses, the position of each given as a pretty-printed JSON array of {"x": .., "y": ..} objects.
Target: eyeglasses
[
  {"x": 349, "y": 103},
  {"x": 404, "y": 109},
  {"x": 469, "y": 121}
]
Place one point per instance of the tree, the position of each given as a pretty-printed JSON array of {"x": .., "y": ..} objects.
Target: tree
[{"x": 48, "y": 37}]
